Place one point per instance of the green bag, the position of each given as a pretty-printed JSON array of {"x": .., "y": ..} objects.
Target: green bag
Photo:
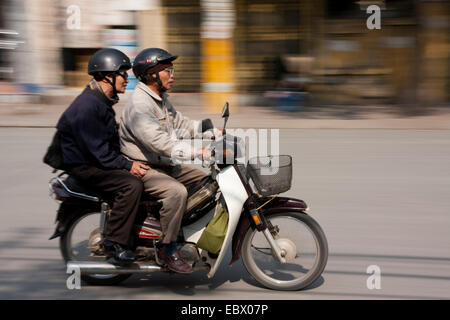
[{"x": 212, "y": 237}]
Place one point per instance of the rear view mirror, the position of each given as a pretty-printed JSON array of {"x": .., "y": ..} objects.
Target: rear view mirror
[
  {"x": 226, "y": 111},
  {"x": 225, "y": 114}
]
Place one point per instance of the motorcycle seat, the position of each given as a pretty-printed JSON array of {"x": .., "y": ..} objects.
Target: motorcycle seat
[{"x": 76, "y": 188}]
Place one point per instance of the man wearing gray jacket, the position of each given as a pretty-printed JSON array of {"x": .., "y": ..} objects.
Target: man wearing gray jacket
[{"x": 149, "y": 131}]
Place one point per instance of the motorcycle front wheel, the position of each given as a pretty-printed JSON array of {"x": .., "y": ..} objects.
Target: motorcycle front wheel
[
  {"x": 83, "y": 242},
  {"x": 302, "y": 242}
]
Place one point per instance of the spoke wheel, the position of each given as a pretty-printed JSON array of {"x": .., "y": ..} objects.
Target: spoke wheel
[{"x": 303, "y": 244}]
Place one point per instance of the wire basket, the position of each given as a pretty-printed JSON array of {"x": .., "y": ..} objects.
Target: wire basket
[{"x": 271, "y": 174}]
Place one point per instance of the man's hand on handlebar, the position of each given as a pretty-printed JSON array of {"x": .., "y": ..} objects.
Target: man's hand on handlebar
[
  {"x": 218, "y": 132},
  {"x": 204, "y": 153}
]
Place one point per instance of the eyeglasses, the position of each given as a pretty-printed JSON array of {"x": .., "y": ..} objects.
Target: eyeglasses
[
  {"x": 170, "y": 70},
  {"x": 123, "y": 74}
]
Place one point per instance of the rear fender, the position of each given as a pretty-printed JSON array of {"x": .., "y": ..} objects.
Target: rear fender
[
  {"x": 68, "y": 210},
  {"x": 273, "y": 205}
]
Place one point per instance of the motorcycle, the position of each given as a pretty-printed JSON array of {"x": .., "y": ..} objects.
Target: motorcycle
[{"x": 281, "y": 246}]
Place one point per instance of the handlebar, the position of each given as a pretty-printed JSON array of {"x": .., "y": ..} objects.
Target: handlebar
[{"x": 225, "y": 150}]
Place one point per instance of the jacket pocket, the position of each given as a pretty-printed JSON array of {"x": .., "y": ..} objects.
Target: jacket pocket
[{"x": 163, "y": 121}]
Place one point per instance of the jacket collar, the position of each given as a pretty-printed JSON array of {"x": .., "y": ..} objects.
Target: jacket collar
[
  {"x": 154, "y": 95},
  {"x": 94, "y": 89}
]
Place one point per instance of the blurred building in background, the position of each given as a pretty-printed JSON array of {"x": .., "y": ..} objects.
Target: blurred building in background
[{"x": 294, "y": 52}]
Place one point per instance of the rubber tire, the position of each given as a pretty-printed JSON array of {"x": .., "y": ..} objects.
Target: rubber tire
[
  {"x": 323, "y": 253},
  {"x": 67, "y": 256}
]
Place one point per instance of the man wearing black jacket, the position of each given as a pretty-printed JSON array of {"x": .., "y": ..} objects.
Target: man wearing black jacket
[{"x": 91, "y": 151}]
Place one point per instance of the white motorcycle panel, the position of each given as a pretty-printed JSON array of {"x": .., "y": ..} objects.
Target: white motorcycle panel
[
  {"x": 235, "y": 196},
  {"x": 193, "y": 231}
]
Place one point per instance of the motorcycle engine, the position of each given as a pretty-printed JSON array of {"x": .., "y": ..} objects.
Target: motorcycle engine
[{"x": 189, "y": 253}]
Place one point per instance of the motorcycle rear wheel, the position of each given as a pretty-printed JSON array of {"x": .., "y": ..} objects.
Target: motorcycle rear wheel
[
  {"x": 74, "y": 246},
  {"x": 301, "y": 239}
]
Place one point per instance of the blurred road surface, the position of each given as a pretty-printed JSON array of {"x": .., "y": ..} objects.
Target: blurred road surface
[{"x": 381, "y": 196}]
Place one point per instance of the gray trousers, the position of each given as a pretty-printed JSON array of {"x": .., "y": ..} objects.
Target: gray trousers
[{"x": 168, "y": 184}]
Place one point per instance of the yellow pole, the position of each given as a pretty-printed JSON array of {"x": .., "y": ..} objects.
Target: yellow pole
[{"x": 217, "y": 54}]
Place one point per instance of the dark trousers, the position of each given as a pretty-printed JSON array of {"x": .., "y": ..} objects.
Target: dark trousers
[{"x": 125, "y": 191}]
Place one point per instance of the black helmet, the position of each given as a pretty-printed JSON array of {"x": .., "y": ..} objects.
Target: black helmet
[
  {"x": 108, "y": 60},
  {"x": 149, "y": 58}
]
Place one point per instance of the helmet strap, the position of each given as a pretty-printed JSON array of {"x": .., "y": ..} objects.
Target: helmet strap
[
  {"x": 158, "y": 81},
  {"x": 115, "y": 97},
  {"x": 113, "y": 84}
]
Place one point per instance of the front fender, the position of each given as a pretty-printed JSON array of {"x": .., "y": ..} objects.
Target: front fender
[
  {"x": 280, "y": 204},
  {"x": 273, "y": 205}
]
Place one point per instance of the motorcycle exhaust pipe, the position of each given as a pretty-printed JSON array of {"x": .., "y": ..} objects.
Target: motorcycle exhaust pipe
[{"x": 93, "y": 267}]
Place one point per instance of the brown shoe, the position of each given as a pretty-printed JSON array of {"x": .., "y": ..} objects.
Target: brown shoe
[{"x": 174, "y": 262}]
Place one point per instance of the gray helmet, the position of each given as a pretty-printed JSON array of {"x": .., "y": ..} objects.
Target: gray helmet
[
  {"x": 108, "y": 60},
  {"x": 149, "y": 58}
]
